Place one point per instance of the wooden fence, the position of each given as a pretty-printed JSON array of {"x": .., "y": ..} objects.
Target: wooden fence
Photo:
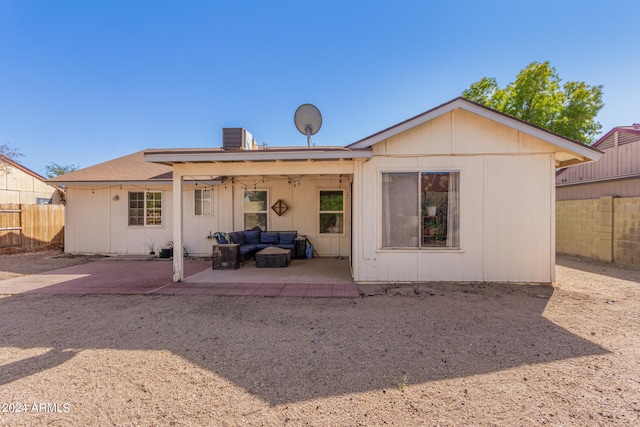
[{"x": 28, "y": 227}]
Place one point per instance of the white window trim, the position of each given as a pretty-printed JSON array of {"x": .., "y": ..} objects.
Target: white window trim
[
  {"x": 267, "y": 207},
  {"x": 344, "y": 227},
  {"x": 144, "y": 192},
  {"x": 458, "y": 249},
  {"x": 203, "y": 215}
]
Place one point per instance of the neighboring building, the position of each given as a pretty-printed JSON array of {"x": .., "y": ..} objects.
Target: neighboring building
[
  {"x": 19, "y": 185},
  {"x": 31, "y": 210},
  {"x": 458, "y": 193},
  {"x": 616, "y": 174},
  {"x": 598, "y": 204}
]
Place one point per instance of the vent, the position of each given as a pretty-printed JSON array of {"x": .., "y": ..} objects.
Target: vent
[
  {"x": 628, "y": 138},
  {"x": 607, "y": 143},
  {"x": 237, "y": 139}
]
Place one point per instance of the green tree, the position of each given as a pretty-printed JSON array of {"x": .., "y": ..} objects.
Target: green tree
[
  {"x": 537, "y": 97},
  {"x": 53, "y": 169}
]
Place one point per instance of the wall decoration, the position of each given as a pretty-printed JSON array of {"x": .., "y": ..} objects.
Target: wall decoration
[{"x": 280, "y": 207}]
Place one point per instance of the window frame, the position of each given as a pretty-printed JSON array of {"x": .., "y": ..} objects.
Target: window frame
[
  {"x": 266, "y": 207},
  {"x": 202, "y": 200},
  {"x": 145, "y": 208},
  {"x": 419, "y": 228},
  {"x": 340, "y": 212}
]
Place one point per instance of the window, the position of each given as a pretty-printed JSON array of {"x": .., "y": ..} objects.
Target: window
[
  {"x": 331, "y": 211},
  {"x": 421, "y": 210},
  {"x": 43, "y": 201},
  {"x": 145, "y": 208},
  {"x": 255, "y": 209},
  {"x": 202, "y": 202}
]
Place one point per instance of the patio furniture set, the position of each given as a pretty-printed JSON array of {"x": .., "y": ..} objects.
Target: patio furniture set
[{"x": 270, "y": 248}]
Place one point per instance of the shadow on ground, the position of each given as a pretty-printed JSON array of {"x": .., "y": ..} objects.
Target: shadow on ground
[{"x": 287, "y": 349}]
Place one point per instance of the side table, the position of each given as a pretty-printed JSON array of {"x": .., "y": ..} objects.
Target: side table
[
  {"x": 300, "y": 251},
  {"x": 226, "y": 256}
]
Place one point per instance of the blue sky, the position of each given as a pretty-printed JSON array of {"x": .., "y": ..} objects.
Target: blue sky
[{"x": 82, "y": 82}]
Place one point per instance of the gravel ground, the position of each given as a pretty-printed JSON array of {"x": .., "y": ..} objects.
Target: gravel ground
[{"x": 450, "y": 355}]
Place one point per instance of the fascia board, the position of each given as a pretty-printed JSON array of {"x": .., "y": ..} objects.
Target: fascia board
[
  {"x": 258, "y": 155},
  {"x": 137, "y": 183}
]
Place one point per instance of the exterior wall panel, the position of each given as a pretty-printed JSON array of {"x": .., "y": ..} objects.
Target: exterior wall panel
[
  {"x": 506, "y": 205},
  {"x": 595, "y": 190},
  {"x": 518, "y": 219},
  {"x": 433, "y": 137}
]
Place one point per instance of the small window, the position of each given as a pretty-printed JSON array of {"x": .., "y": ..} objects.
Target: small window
[
  {"x": 145, "y": 208},
  {"x": 202, "y": 206},
  {"x": 255, "y": 209},
  {"x": 331, "y": 212},
  {"x": 43, "y": 201}
]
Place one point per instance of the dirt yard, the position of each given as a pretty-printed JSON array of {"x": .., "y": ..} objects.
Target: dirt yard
[
  {"x": 22, "y": 264},
  {"x": 444, "y": 355}
]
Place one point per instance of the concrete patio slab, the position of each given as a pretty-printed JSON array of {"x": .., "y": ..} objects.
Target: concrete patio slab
[{"x": 318, "y": 277}]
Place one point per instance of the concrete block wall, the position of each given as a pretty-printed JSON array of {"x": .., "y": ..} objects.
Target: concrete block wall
[
  {"x": 607, "y": 229},
  {"x": 577, "y": 227},
  {"x": 626, "y": 231}
]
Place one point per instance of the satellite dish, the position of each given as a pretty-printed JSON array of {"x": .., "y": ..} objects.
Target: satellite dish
[{"x": 308, "y": 120}]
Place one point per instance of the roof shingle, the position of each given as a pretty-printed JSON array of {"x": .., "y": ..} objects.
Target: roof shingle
[{"x": 132, "y": 167}]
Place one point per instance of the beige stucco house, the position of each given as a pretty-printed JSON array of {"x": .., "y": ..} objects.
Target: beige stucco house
[
  {"x": 20, "y": 185},
  {"x": 458, "y": 193}
]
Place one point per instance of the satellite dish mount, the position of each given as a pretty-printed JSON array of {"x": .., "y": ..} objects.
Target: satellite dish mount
[{"x": 308, "y": 121}]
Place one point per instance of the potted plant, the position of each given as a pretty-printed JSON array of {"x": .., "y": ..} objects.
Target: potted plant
[{"x": 151, "y": 246}]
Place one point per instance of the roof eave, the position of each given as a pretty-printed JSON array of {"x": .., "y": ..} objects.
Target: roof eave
[
  {"x": 114, "y": 182},
  {"x": 96, "y": 183},
  {"x": 177, "y": 156}
]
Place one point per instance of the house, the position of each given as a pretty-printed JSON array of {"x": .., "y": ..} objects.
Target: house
[
  {"x": 458, "y": 193},
  {"x": 598, "y": 204},
  {"x": 22, "y": 186}
]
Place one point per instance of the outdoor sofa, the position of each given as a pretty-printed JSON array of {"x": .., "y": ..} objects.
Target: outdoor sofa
[{"x": 252, "y": 241}]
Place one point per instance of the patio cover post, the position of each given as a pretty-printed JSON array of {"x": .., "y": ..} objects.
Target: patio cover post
[{"x": 178, "y": 254}]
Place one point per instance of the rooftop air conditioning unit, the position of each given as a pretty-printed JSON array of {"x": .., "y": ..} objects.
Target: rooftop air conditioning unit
[{"x": 237, "y": 139}]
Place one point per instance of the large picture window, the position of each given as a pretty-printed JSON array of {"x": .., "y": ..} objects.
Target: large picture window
[
  {"x": 421, "y": 210},
  {"x": 145, "y": 208},
  {"x": 255, "y": 209},
  {"x": 331, "y": 212},
  {"x": 202, "y": 202}
]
